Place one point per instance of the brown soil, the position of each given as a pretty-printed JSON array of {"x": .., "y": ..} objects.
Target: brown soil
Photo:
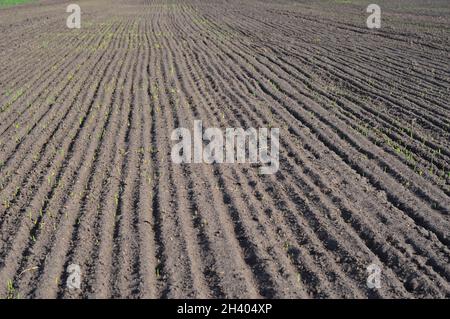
[{"x": 85, "y": 171}]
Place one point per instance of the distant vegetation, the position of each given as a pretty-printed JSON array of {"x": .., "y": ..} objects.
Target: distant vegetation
[{"x": 4, "y": 3}]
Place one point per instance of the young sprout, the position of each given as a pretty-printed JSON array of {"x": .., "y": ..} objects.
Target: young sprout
[{"x": 10, "y": 290}]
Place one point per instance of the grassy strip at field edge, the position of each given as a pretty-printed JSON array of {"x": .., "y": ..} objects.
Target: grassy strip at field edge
[{"x": 8, "y": 3}]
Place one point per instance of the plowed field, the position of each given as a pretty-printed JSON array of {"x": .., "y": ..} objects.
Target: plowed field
[{"x": 86, "y": 176}]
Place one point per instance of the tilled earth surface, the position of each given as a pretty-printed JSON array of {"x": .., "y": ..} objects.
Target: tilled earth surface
[{"x": 86, "y": 175}]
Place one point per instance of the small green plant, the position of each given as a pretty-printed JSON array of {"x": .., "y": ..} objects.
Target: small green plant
[
  {"x": 6, "y": 204},
  {"x": 50, "y": 177},
  {"x": 11, "y": 291},
  {"x": 116, "y": 199}
]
